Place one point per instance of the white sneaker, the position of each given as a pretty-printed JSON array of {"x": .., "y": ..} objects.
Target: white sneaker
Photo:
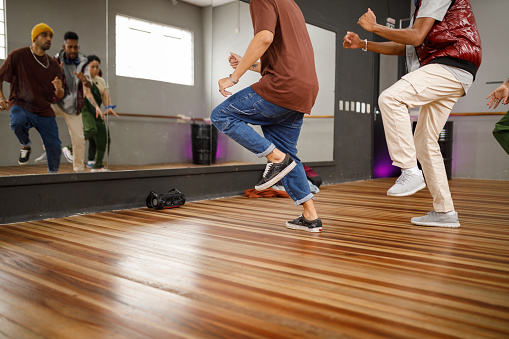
[
  {"x": 407, "y": 184},
  {"x": 102, "y": 169},
  {"x": 68, "y": 155},
  {"x": 437, "y": 219},
  {"x": 42, "y": 159},
  {"x": 90, "y": 164}
]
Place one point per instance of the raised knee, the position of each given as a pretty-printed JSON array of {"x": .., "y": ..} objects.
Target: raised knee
[
  {"x": 218, "y": 119},
  {"x": 385, "y": 98}
]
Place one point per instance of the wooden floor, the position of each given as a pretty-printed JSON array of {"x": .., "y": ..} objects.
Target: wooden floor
[{"x": 228, "y": 268}]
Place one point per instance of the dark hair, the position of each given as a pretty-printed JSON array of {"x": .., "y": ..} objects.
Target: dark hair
[
  {"x": 93, "y": 58},
  {"x": 70, "y": 35}
]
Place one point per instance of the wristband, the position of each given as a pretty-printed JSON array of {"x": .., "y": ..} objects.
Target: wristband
[
  {"x": 365, "y": 49},
  {"x": 112, "y": 107},
  {"x": 235, "y": 82},
  {"x": 2, "y": 99}
]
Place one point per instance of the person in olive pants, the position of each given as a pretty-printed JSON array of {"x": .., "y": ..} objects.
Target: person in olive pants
[{"x": 94, "y": 127}]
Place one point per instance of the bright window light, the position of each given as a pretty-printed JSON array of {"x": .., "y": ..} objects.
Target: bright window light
[
  {"x": 153, "y": 51},
  {"x": 3, "y": 40}
]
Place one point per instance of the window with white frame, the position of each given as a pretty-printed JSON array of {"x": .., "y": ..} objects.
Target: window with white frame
[
  {"x": 153, "y": 51},
  {"x": 3, "y": 40}
]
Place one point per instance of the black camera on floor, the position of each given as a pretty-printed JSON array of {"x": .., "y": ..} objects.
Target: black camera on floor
[{"x": 174, "y": 198}]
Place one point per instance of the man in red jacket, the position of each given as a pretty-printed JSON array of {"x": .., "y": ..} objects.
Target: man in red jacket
[{"x": 443, "y": 52}]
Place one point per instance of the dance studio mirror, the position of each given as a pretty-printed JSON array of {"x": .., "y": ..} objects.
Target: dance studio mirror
[{"x": 163, "y": 106}]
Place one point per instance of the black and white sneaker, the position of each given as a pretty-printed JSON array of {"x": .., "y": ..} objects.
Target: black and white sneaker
[
  {"x": 275, "y": 172},
  {"x": 24, "y": 156},
  {"x": 303, "y": 224}
]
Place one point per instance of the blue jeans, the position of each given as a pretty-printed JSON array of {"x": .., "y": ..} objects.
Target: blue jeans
[
  {"x": 281, "y": 129},
  {"x": 21, "y": 122}
]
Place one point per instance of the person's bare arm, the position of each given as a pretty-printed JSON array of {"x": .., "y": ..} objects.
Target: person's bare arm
[
  {"x": 352, "y": 40},
  {"x": 414, "y": 35},
  {"x": 260, "y": 43}
]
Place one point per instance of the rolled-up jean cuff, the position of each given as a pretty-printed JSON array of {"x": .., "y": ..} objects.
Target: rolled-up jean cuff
[
  {"x": 303, "y": 200},
  {"x": 266, "y": 152}
]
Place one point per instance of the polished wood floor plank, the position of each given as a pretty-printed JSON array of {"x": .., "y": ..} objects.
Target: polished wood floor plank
[{"x": 228, "y": 268}]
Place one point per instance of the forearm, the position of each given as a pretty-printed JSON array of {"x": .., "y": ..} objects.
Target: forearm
[
  {"x": 90, "y": 98},
  {"x": 106, "y": 97},
  {"x": 59, "y": 93},
  {"x": 256, "y": 67},
  {"x": 255, "y": 50},
  {"x": 387, "y": 48},
  {"x": 414, "y": 35}
]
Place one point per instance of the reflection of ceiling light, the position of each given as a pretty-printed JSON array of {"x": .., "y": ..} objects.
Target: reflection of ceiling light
[{"x": 174, "y": 2}]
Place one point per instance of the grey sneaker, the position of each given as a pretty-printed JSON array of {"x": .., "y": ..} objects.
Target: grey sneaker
[
  {"x": 437, "y": 219},
  {"x": 42, "y": 159},
  {"x": 407, "y": 184}
]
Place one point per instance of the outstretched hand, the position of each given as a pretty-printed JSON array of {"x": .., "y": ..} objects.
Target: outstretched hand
[
  {"x": 352, "y": 40},
  {"x": 367, "y": 20},
  {"x": 110, "y": 111},
  {"x": 501, "y": 94},
  {"x": 81, "y": 76},
  {"x": 4, "y": 104}
]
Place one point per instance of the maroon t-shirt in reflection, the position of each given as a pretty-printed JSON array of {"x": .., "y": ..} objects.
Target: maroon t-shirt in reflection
[
  {"x": 31, "y": 86},
  {"x": 288, "y": 66}
]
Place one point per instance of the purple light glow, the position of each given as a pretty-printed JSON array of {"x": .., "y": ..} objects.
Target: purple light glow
[{"x": 384, "y": 169}]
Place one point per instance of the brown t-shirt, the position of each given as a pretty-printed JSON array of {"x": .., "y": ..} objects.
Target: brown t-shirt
[
  {"x": 31, "y": 86},
  {"x": 288, "y": 66}
]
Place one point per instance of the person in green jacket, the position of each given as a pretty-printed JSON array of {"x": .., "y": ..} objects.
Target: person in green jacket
[{"x": 94, "y": 127}]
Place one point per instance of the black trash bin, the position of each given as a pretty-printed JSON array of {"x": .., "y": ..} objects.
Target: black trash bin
[
  {"x": 445, "y": 143},
  {"x": 204, "y": 143}
]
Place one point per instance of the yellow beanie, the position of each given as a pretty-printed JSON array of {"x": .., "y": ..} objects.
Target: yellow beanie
[{"x": 40, "y": 28}]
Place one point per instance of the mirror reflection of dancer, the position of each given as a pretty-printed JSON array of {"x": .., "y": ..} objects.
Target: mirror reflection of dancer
[
  {"x": 95, "y": 129},
  {"x": 36, "y": 82},
  {"x": 69, "y": 107},
  {"x": 501, "y": 131},
  {"x": 443, "y": 50},
  {"x": 278, "y": 102}
]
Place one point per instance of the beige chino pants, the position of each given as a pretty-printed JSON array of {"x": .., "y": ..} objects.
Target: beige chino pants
[
  {"x": 75, "y": 125},
  {"x": 435, "y": 90}
]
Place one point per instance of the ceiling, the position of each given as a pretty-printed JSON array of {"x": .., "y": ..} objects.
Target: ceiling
[{"x": 203, "y": 3}]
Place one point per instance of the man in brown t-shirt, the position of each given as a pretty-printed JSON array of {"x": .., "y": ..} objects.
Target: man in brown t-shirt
[
  {"x": 36, "y": 82},
  {"x": 278, "y": 102}
]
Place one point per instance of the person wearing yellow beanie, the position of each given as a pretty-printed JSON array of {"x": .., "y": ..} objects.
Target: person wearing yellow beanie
[
  {"x": 40, "y": 28},
  {"x": 36, "y": 81}
]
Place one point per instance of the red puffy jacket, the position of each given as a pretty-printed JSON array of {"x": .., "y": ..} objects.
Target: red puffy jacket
[{"x": 454, "y": 41}]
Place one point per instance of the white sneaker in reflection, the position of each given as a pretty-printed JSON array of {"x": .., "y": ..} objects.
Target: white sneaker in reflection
[{"x": 102, "y": 169}]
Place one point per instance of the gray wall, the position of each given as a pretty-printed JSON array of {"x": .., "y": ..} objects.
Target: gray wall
[
  {"x": 149, "y": 140},
  {"x": 476, "y": 153}
]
